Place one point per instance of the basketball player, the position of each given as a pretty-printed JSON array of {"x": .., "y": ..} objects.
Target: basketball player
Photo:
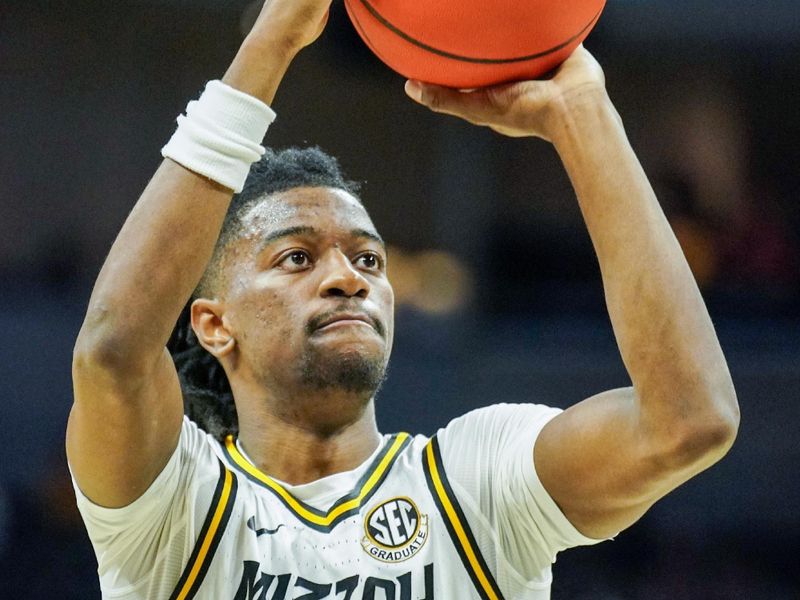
[{"x": 293, "y": 493}]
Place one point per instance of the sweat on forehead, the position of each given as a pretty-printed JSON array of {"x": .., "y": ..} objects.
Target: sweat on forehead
[
  {"x": 256, "y": 218},
  {"x": 293, "y": 206}
]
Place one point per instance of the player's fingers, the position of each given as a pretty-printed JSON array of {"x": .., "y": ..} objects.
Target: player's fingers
[{"x": 473, "y": 106}]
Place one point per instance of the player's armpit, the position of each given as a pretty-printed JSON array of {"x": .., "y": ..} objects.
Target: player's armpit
[
  {"x": 122, "y": 430},
  {"x": 605, "y": 465}
]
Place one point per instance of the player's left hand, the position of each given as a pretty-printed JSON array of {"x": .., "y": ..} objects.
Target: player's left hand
[{"x": 525, "y": 108}]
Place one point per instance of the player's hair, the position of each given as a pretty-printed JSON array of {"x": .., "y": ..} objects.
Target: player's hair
[{"x": 207, "y": 396}]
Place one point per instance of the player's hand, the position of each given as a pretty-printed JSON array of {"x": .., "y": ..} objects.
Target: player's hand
[
  {"x": 294, "y": 24},
  {"x": 525, "y": 108},
  {"x": 282, "y": 29}
]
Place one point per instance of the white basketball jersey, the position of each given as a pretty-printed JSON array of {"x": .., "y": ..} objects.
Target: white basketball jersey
[{"x": 461, "y": 516}]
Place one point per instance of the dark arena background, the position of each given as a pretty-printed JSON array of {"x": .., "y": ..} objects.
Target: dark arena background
[{"x": 499, "y": 296}]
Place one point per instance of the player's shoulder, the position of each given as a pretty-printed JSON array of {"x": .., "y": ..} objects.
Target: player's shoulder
[
  {"x": 417, "y": 444},
  {"x": 489, "y": 427},
  {"x": 495, "y": 420},
  {"x": 498, "y": 420},
  {"x": 401, "y": 450},
  {"x": 200, "y": 451},
  {"x": 210, "y": 479}
]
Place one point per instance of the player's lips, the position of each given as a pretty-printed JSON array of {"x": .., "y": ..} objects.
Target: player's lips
[
  {"x": 344, "y": 317},
  {"x": 347, "y": 320}
]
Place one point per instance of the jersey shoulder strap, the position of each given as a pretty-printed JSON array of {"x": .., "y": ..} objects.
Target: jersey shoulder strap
[
  {"x": 216, "y": 521},
  {"x": 456, "y": 523}
]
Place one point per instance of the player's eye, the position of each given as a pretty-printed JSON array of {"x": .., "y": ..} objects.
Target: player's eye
[
  {"x": 370, "y": 261},
  {"x": 295, "y": 260}
]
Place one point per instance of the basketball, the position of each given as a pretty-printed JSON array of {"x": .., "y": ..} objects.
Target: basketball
[{"x": 473, "y": 43}]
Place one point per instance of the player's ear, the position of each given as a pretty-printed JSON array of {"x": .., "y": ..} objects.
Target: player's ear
[{"x": 210, "y": 328}]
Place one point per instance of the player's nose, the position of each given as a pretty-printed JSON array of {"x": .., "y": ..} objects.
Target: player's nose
[{"x": 341, "y": 278}]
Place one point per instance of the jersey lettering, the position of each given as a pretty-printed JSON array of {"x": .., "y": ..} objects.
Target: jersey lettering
[
  {"x": 378, "y": 528},
  {"x": 393, "y": 523},
  {"x": 257, "y": 585},
  {"x": 316, "y": 591},
  {"x": 405, "y": 584},
  {"x": 348, "y": 586},
  {"x": 398, "y": 534},
  {"x": 373, "y": 583}
]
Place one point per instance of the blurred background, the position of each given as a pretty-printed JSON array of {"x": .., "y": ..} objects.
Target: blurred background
[{"x": 498, "y": 288}]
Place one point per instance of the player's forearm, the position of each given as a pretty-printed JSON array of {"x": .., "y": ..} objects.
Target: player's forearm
[
  {"x": 663, "y": 329},
  {"x": 153, "y": 265},
  {"x": 167, "y": 240}
]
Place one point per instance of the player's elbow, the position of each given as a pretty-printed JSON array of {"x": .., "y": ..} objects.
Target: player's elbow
[
  {"x": 103, "y": 348},
  {"x": 721, "y": 425},
  {"x": 702, "y": 439},
  {"x": 708, "y": 442}
]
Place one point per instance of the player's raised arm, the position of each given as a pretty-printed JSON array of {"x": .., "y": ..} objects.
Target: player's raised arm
[
  {"x": 606, "y": 460},
  {"x": 125, "y": 420}
]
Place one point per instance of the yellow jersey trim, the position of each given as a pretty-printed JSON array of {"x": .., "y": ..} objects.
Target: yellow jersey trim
[
  {"x": 345, "y": 506},
  {"x": 457, "y": 526},
  {"x": 210, "y": 535}
]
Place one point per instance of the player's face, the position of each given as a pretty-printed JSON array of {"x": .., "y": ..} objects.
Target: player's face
[{"x": 308, "y": 298}]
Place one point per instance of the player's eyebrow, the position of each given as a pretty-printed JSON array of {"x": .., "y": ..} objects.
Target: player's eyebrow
[
  {"x": 307, "y": 230},
  {"x": 370, "y": 235},
  {"x": 284, "y": 233}
]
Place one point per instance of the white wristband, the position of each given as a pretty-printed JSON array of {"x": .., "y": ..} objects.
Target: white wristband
[{"x": 220, "y": 136}]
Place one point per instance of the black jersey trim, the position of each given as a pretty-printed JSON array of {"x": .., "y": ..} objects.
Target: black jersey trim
[
  {"x": 345, "y": 506},
  {"x": 210, "y": 535},
  {"x": 456, "y": 523}
]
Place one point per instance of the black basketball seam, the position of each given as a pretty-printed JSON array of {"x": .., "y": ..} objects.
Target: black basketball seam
[
  {"x": 469, "y": 59},
  {"x": 363, "y": 33}
]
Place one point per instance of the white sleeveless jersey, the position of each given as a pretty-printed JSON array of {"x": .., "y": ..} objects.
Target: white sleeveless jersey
[{"x": 461, "y": 516}]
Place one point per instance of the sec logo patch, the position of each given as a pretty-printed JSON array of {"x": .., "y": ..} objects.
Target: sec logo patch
[{"x": 394, "y": 530}]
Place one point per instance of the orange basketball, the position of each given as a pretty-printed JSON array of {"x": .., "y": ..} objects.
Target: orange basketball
[{"x": 473, "y": 43}]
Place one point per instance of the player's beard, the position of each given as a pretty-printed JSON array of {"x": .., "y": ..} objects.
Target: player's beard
[{"x": 352, "y": 372}]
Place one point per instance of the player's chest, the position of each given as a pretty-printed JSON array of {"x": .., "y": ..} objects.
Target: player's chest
[
  {"x": 390, "y": 545},
  {"x": 397, "y": 534},
  {"x": 391, "y": 526}
]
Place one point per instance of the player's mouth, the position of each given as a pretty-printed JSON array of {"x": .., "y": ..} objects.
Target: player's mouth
[{"x": 343, "y": 320}]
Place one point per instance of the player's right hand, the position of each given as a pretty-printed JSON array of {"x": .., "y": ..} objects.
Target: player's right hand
[
  {"x": 293, "y": 24},
  {"x": 525, "y": 108}
]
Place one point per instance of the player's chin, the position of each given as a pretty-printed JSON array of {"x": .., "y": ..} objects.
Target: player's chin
[
  {"x": 348, "y": 365},
  {"x": 355, "y": 350}
]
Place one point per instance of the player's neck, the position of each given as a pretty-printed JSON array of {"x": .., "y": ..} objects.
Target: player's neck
[{"x": 288, "y": 447}]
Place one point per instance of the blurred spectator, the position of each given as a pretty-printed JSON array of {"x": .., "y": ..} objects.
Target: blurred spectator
[
  {"x": 430, "y": 281},
  {"x": 736, "y": 239},
  {"x": 44, "y": 550}
]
